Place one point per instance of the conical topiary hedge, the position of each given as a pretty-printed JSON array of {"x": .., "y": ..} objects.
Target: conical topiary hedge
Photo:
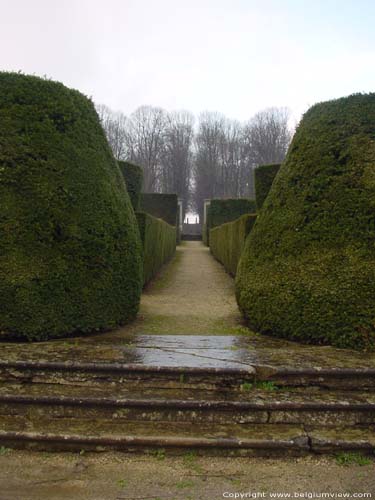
[
  {"x": 70, "y": 254},
  {"x": 308, "y": 268},
  {"x": 133, "y": 175}
]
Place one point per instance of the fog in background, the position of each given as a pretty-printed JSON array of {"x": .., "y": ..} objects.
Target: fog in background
[
  {"x": 232, "y": 56},
  {"x": 197, "y": 92}
]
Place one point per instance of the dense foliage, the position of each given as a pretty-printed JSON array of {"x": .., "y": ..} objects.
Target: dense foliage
[
  {"x": 70, "y": 254},
  {"x": 308, "y": 268},
  {"x": 227, "y": 241},
  {"x": 221, "y": 211},
  {"x": 205, "y": 234},
  {"x": 264, "y": 176},
  {"x": 161, "y": 206},
  {"x": 133, "y": 175},
  {"x": 159, "y": 243}
]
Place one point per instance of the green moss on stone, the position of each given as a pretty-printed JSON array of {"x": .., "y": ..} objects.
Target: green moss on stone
[
  {"x": 308, "y": 268},
  {"x": 70, "y": 254}
]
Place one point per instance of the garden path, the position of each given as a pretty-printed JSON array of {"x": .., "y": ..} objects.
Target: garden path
[
  {"x": 189, "y": 317},
  {"x": 193, "y": 295}
]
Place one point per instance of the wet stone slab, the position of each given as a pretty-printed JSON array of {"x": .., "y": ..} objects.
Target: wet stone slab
[{"x": 205, "y": 351}]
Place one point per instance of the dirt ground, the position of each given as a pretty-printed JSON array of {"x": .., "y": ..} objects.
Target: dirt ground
[{"x": 32, "y": 475}]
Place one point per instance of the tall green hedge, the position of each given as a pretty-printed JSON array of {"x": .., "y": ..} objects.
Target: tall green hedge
[
  {"x": 205, "y": 234},
  {"x": 227, "y": 241},
  {"x": 133, "y": 175},
  {"x": 161, "y": 206},
  {"x": 178, "y": 228},
  {"x": 70, "y": 254},
  {"x": 221, "y": 211},
  {"x": 264, "y": 176},
  {"x": 308, "y": 268},
  {"x": 159, "y": 243}
]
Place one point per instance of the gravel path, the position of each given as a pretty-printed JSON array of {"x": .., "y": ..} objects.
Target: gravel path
[{"x": 193, "y": 295}]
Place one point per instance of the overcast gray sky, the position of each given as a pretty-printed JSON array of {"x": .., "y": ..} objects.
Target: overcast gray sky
[{"x": 232, "y": 56}]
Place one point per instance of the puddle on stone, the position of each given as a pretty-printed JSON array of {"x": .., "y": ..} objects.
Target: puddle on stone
[{"x": 188, "y": 351}]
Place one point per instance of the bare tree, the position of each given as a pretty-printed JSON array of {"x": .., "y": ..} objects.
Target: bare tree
[
  {"x": 115, "y": 126},
  {"x": 145, "y": 143},
  {"x": 207, "y": 166},
  {"x": 222, "y": 167},
  {"x": 218, "y": 161},
  {"x": 267, "y": 136},
  {"x": 236, "y": 172},
  {"x": 177, "y": 157}
]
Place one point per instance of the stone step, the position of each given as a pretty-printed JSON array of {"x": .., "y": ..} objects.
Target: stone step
[
  {"x": 126, "y": 403},
  {"x": 234, "y": 439},
  {"x": 99, "y": 374},
  {"x": 199, "y": 377}
]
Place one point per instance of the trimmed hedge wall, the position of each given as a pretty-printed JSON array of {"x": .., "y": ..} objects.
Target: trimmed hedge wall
[
  {"x": 133, "y": 175},
  {"x": 221, "y": 211},
  {"x": 308, "y": 268},
  {"x": 264, "y": 176},
  {"x": 178, "y": 229},
  {"x": 205, "y": 234},
  {"x": 227, "y": 241},
  {"x": 70, "y": 253},
  {"x": 159, "y": 243},
  {"x": 161, "y": 206}
]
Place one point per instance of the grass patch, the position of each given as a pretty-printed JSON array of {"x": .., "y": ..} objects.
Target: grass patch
[
  {"x": 267, "y": 386},
  {"x": 122, "y": 483},
  {"x": 159, "y": 454},
  {"x": 184, "y": 484},
  {"x": 235, "y": 481},
  {"x": 264, "y": 385},
  {"x": 223, "y": 327},
  {"x": 352, "y": 458},
  {"x": 233, "y": 348},
  {"x": 190, "y": 461},
  {"x": 246, "y": 386}
]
